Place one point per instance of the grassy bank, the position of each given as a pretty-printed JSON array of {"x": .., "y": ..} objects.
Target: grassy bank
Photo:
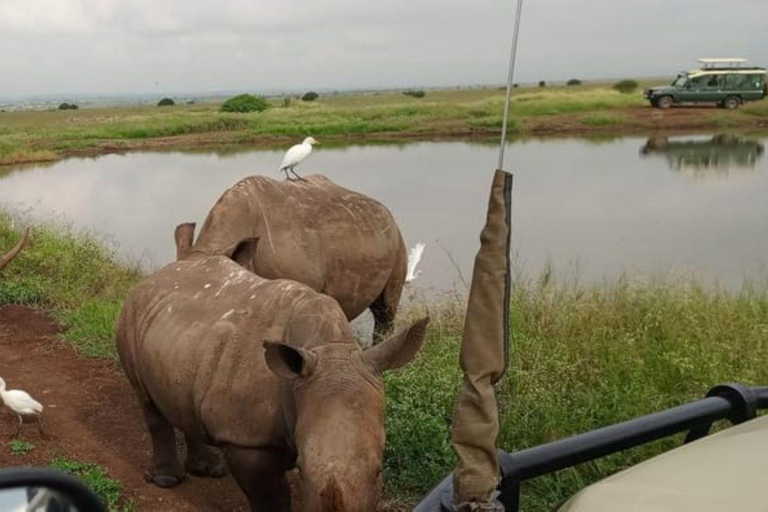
[
  {"x": 581, "y": 358},
  {"x": 49, "y": 135}
]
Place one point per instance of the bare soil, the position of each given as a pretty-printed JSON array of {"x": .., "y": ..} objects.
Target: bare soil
[{"x": 90, "y": 415}]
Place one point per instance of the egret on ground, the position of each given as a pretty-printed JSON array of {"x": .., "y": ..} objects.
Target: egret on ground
[
  {"x": 413, "y": 259},
  {"x": 296, "y": 155},
  {"x": 22, "y": 404}
]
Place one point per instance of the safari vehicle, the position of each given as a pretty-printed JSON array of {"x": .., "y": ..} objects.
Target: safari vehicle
[
  {"x": 725, "y": 82},
  {"x": 708, "y": 473}
]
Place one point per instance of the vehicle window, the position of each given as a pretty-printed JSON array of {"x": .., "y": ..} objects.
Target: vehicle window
[
  {"x": 713, "y": 81},
  {"x": 699, "y": 82},
  {"x": 681, "y": 81},
  {"x": 755, "y": 81},
  {"x": 738, "y": 81}
]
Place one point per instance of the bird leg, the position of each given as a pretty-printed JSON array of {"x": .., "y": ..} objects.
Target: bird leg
[
  {"x": 287, "y": 177},
  {"x": 40, "y": 427},
  {"x": 299, "y": 177},
  {"x": 18, "y": 428}
]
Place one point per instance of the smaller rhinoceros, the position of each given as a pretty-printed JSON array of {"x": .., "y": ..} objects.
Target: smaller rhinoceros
[{"x": 267, "y": 370}]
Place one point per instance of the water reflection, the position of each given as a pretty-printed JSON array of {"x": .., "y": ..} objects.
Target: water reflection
[
  {"x": 575, "y": 201},
  {"x": 718, "y": 156}
]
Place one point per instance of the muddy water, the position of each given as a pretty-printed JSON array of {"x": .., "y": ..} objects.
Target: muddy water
[{"x": 595, "y": 209}]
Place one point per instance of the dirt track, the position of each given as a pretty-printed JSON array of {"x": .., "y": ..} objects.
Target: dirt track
[{"x": 90, "y": 415}]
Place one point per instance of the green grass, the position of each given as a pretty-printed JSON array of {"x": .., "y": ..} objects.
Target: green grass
[
  {"x": 582, "y": 357},
  {"x": 108, "y": 489},
  {"x": 46, "y": 135},
  {"x": 19, "y": 447},
  {"x": 72, "y": 275}
]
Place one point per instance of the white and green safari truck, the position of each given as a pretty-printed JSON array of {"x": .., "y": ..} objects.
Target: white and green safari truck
[{"x": 726, "y": 82}]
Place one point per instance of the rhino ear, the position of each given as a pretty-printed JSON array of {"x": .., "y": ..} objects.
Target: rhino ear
[
  {"x": 244, "y": 252},
  {"x": 184, "y": 236},
  {"x": 398, "y": 350},
  {"x": 289, "y": 362}
]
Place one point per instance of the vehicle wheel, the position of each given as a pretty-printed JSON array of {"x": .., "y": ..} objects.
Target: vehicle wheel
[
  {"x": 731, "y": 102},
  {"x": 665, "y": 102},
  {"x": 654, "y": 103}
]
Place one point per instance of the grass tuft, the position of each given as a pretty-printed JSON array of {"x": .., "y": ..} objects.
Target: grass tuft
[
  {"x": 108, "y": 489},
  {"x": 20, "y": 447}
]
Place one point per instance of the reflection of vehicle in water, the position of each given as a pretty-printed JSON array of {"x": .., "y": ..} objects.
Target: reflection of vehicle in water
[
  {"x": 718, "y": 155},
  {"x": 725, "y": 82}
]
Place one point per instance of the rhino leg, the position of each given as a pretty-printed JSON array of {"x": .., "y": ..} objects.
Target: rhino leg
[
  {"x": 166, "y": 470},
  {"x": 385, "y": 306},
  {"x": 203, "y": 460},
  {"x": 261, "y": 476}
]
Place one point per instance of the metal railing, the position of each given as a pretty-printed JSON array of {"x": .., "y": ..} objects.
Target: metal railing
[{"x": 733, "y": 402}]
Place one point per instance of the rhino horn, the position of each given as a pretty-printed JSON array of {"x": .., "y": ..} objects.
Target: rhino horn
[
  {"x": 5, "y": 260},
  {"x": 184, "y": 235}
]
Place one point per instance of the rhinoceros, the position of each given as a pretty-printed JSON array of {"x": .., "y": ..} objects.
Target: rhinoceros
[
  {"x": 8, "y": 257},
  {"x": 268, "y": 371},
  {"x": 338, "y": 242}
]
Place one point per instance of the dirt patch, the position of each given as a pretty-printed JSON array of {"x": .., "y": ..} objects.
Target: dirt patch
[{"x": 90, "y": 415}]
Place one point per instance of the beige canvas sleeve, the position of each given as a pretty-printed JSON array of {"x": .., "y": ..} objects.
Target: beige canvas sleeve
[{"x": 483, "y": 356}]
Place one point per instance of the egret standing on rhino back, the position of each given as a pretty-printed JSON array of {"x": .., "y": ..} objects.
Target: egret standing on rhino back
[{"x": 296, "y": 155}]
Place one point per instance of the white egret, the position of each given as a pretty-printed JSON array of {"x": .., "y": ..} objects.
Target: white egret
[
  {"x": 22, "y": 404},
  {"x": 296, "y": 155},
  {"x": 413, "y": 260}
]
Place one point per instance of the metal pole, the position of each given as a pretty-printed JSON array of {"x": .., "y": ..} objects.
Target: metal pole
[{"x": 510, "y": 83}]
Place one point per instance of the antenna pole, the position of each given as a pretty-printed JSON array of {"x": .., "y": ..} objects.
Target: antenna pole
[{"x": 510, "y": 83}]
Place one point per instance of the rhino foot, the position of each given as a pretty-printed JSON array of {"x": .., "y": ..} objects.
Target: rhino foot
[
  {"x": 164, "y": 481},
  {"x": 211, "y": 468}
]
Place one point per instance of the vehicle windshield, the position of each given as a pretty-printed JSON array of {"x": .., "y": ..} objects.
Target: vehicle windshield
[{"x": 681, "y": 81}]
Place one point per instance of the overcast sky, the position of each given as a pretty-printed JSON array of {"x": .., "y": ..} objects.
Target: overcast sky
[{"x": 148, "y": 46}]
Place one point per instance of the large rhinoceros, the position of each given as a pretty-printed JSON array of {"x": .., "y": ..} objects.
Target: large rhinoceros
[
  {"x": 267, "y": 370},
  {"x": 338, "y": 242},
  {"x": 8, "y": 257}
]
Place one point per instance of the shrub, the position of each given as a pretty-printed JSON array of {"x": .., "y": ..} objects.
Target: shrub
[
  {"x": 542, "y": 84},
  {"x": 286, "y": 102},
  {"x": 415, "y": 94},
  {"x": 515, "y": 86},
  {"x": 68, "y": 106},
  {"x": 166, "y": 102},
  {"x": 310, "y": 96},
  {"x": 573, "y": 82},
  {"x": 626, "y": 86},
  {"x": 245, "y": 103}
]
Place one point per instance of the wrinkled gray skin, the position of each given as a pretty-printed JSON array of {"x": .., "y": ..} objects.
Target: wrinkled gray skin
[
  {"x": 8, "y": 257},
  {"x": 267, "y": 370},
  {"x": 336, "y": 241}
]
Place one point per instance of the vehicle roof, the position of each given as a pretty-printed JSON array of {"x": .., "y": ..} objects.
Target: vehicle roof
[
  {"x": 723, "y": 471},
  {"x": 733, "y": 60},
  {"x": 729, "y": 71}
]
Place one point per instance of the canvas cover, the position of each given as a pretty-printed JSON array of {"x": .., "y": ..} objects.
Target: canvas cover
[{"x": 483, "y": 357}]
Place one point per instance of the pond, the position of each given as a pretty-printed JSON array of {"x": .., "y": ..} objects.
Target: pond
[{"x": 591, "y": 209}]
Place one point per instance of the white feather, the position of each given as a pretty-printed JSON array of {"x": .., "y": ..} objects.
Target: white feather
[
  {"x": 414, "y": 257},
  {"x": 19, "y": 401},
  {"x": 297, "y": 154}
]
